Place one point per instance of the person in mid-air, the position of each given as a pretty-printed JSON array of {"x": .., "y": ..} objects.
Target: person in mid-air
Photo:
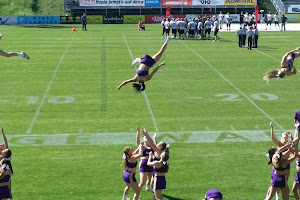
[
  {"x": 142, "y": 74},
  {"x": 287, "y": 66},
  {"x": 11, "y": 54}
]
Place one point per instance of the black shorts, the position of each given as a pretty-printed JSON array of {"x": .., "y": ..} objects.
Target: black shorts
[
  {"x": 192, "y": 32},
  {"x": 269, "y": 22},
  {"x": 180, "y": 31},
  {"x": 208, "y": 30},
  {"x": 168, "y": 31},
  {"x": 174, "y": 31},
  {"x": 216, "y": 32},
  {"x": 276, "y": 22}
]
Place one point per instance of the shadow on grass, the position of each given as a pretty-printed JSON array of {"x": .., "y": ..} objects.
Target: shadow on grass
[{"x": 171, "y": 198}]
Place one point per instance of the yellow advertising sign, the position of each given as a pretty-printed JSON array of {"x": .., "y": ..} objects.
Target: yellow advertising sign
[
  {"x": 94, "y": 19},
  {"x": 133, "y": 19},
  {"x": 239, "y": 2}
]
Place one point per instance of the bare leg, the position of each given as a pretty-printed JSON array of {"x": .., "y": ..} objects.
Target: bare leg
[
  {"x": 295, "y": 190},
  {"x": 136, "y": 189},
  {"x": 157, "y": 56},
  {"x": 3, "y": 53},
  {"x": 158, "y": 195},
  {"x": 143, "y": 180},
  {"x": 271, "y": 194}
]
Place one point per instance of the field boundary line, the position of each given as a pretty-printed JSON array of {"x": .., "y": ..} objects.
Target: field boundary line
[
  {"x": 144, "y": 93},
  {"x": 236, "y": 88},
  {"x": 15, "y": 42},
  {"x": 48, "y": 88}
]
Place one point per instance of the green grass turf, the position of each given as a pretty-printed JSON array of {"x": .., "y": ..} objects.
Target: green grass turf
[{"x": 88, "y": 66}]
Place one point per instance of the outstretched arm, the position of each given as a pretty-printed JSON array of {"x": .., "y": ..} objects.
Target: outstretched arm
[
  {"x": 151, "y": 143},
  {"x": 296, "y": 133},
  {"x": 127, "y": 81},
  {"x": 155, "y": 70},
  {"x": 278, "y": 143},
  {"x": 291, "y": 73},
  {"x": 4, "y": 138},
  {"x": 138, "y": 141}
]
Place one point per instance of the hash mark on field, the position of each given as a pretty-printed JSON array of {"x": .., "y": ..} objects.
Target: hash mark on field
[
  {"x": 193, "y": 97},
  {"x": 3, "y": 100},
  {"x": 230, "y": 83},
  {"x": 144, "y": 92},
  {"x": 48, "y": 88}
]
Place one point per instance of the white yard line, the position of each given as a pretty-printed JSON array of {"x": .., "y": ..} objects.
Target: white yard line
[
  {"x": 48, "y": 88},
  {"x": 144, "y": 93},
  {"x": 236, "y": 88},
  {"x": 15, "y": 42}
]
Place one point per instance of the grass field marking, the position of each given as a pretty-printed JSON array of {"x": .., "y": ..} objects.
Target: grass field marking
[
  {"x": 103, "y": 106},
  {"x": 15, "y": 42},
  {"x": 48, "y": 88},
  {"x": 3, "y": 100},
  {"x": 180, "y": 137},
  {"x": 230, "y": 83},
  {"x": 144, "y": 93}
]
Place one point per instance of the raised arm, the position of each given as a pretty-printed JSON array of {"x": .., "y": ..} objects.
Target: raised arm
[
  {"x": 150, "y": 141},
  {"x": 126, "y": 82},
  {"x": 154, "y": 139},
  {"x": 138, "y": 140},
  {"x": 150, "y": 161},
  {"x": 278, "y": 143},
  {"x": 297, "y": 125},
  {"x": 4, "y": 138},
  {"x": 155, "y": 70}
]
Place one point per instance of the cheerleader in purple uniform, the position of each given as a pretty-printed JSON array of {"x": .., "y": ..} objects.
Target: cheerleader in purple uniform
[
  {"x": 279, "y": 180},
  {"x": 142, "y": 74},
  {"x": 6, "y": 171},
  {"x": 161, "y": 167},
  {"x": 130, "y": 162},
  {"x": 296, "y": 184},
  {"x": 213, "y": 194},
  {"x": 287, "y": 66},
  {"x": 146, "y": 171}
]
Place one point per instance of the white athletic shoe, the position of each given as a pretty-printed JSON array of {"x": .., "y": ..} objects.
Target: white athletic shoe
[
  {"x": 168, "y": 39},
  {"x": 135, "y": 62},
  {"x": 149, "y": 189},
  {"x": 25, "y": 55},
  {"x": 126, "y": 198}
]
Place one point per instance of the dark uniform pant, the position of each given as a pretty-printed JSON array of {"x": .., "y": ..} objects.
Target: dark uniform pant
[
  {"x": 255, "y": 41},
  {"x": 244, "y": 39},
  {"x": 250, "y": 42},
  {"x": 240, "y": 40}
]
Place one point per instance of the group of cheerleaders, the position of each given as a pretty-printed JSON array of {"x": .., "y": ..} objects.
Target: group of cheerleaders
[
  {"x": 154, "y": 164},
  {"x": 6, "y": 169},
  {"x": 280, "y": 158}
]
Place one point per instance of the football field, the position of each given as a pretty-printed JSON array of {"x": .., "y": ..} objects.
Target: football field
[{"x": 67, "y": 123}]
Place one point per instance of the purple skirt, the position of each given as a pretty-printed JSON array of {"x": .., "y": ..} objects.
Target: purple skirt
[
  {"x": 297, "y": 179},
  {"x": 214, "y": 193},
  {"x": 129, "y": 177},
  {"x": 278, "y": 181},
  {"x": 144, "y": 167},
  {"x": 4, "y": 192},
  {"x": 147, "y": 60},
  {"x": 160, "y": 182}
]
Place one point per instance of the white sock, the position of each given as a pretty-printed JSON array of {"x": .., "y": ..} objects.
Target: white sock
[
  {"x": 276, "y": 196},
  {"x": 20, "y": 54},
  {"x": 124, "y": 197}
]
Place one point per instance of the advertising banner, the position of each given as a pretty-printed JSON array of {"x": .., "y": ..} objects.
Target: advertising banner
[
  {"x": 106, "y": 3},
  {"x": 158, "y": 18},
  {"x": 39, "y": 20},
  {"x": 94, "y": 19},
  {"x": 87, "y": 2},
  {"x": 133, "y": 19},
  {"x": 208, "y": 2},
  {"x": 239, "y": 2},
  {"x": 4, "y": 20},
  {"x": 176, "y": 2},
  {"x": 294, "y": 9},
  {"x": 152, "y": 3},
  {"x": 113, "y": 20}
]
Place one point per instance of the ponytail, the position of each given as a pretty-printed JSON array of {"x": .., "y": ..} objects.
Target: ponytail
[
  {"x": 273, "y": 73},
  {"x": 125, "y": 157},
  {"x": 139, "y": 87}
]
